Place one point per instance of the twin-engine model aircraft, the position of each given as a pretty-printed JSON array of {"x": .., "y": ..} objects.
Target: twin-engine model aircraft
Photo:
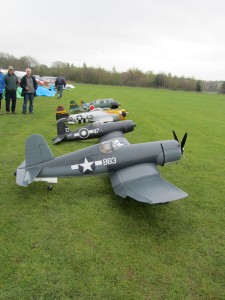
[
  {"x": 132, "y": 168},
  {"x": 102, "y": 103},
  {"x": 93, "y": 130}
]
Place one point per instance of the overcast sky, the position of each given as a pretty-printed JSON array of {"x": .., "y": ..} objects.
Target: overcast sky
[{"x": 181, "y": 37}]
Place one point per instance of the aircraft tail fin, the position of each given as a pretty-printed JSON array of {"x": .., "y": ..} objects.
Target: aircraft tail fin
[
  {"x": 37, "y": 151},
  {"x": 62, "y": 130},
  {"x": 61, "y": 113},
  {"x": 74, "y": 106}
]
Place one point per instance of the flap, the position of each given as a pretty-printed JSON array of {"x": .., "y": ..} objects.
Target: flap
[{"x": 143, "y": 183}]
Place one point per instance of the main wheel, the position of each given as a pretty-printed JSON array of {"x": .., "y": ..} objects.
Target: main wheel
[{"x": 49, "y": 188}]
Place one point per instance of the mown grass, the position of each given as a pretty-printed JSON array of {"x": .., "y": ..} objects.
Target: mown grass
[{"x": 81, "y": 241}]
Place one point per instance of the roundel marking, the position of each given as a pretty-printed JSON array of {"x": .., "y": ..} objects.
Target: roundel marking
[{"x": 83, "y": 133}]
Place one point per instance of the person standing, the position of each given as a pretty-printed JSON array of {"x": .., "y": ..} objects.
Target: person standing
[
  {"x": 29, "y": 86},
  {"x": 59, "y": 84},
  {"x": 2, "y": 86},
  {"x": 11, "y": 84}
]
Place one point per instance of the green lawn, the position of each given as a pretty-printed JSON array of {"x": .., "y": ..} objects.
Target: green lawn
[{"x": 81, "y": 241}]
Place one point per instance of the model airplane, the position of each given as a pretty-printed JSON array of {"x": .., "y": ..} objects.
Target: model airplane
[
  {"x": 103, "y": 103},
  {"x": 98, "y": 114},
  {"x": 91, "y": 131},
  {"x": 132, "y": 168}
]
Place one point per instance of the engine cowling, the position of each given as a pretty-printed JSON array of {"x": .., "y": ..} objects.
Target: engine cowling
[{"x": 171, "y": 152}]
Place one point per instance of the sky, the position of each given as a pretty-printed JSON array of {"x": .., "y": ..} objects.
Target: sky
[{"x": 180, "y": 37}]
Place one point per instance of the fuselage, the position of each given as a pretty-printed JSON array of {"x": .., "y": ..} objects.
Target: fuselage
[
  {"x": 110, "y": 156},
  {"x": 103, "y": 103},
  {"x": 98, "y": 115},
  {"x": 97, "y": 129}
]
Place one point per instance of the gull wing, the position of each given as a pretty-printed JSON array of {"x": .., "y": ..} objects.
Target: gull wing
[{"x": 143, "y": 183}]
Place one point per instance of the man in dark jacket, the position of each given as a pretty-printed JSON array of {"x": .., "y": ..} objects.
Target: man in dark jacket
[
  {"x": 59, "y": 84},
  {"x": 11, "y": 84},
  {"x": 29, "y": 86}
]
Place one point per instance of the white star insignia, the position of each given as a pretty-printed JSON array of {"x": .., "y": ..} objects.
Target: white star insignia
[{"x": 86, "y": 165}]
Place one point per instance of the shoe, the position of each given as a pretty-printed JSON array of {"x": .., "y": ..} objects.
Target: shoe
[
  {"x": 31, "y": 112},
  {"x": 24, "y": 112},
  {"x": 13, "y": 112},
  {"x": 8, "y": 112}
]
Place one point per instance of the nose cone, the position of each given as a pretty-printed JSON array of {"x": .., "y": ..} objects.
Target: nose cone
[
  {"x": 122, "y": 115},
  {"x": 114, "y": 104}
]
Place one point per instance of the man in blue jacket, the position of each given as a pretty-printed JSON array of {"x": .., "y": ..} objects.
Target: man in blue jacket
[
  {"x": 11, "y": 84},
  {"x": 2, "y": 86}
]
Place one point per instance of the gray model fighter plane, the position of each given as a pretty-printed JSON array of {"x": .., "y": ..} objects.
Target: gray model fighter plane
[
  {"x": 132, "y": 167},
  {"x": 93, "y": 130}
]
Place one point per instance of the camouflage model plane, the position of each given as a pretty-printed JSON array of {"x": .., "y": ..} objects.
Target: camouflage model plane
[
  {"x": 91, "y": 131},
  {"x": 132, "y": 167},
  {"x": 102, "y": 103}
]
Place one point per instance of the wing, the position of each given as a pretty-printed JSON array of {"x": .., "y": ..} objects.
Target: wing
[
  {"x": 112, "y": 135},
  {"x": 144, "y": 183},
  {"x": 103, "y": 119}
]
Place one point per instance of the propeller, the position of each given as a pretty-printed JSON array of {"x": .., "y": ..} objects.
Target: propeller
[
  {"x": 123, "y": 113},
  {"x": 182, "y": 142},
  {"x": 184, "y": 139}
]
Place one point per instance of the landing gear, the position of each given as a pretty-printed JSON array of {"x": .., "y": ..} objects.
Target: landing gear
[{"x": 49, "y": 188}]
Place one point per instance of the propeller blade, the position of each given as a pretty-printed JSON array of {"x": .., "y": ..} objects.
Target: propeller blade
[
  {"x": 182, "y": 146},
  {"x": 183, "y": 141},
  {"x": 175, "y": 136}
]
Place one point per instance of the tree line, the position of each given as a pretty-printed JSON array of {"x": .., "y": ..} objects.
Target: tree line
[{"x": 132, "y": 77}]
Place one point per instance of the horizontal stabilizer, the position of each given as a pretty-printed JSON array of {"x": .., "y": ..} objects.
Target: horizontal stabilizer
[
  {"x": 143, "y": 183},
  {"x": 20, "y": 174},
  {"x": 24, "y": 176},
  {"x": 59, "y": 139}
]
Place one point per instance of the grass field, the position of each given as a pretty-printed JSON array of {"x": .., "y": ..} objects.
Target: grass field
[{"x": 81, "y": 241}]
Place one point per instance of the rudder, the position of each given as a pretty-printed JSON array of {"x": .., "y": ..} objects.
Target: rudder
[
  {"x": 37, "y": 150},
  {"x": 62, "y": 128}
]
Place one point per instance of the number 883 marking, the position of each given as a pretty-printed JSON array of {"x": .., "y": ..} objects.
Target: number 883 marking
[{"x": 109, "y": 161}]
